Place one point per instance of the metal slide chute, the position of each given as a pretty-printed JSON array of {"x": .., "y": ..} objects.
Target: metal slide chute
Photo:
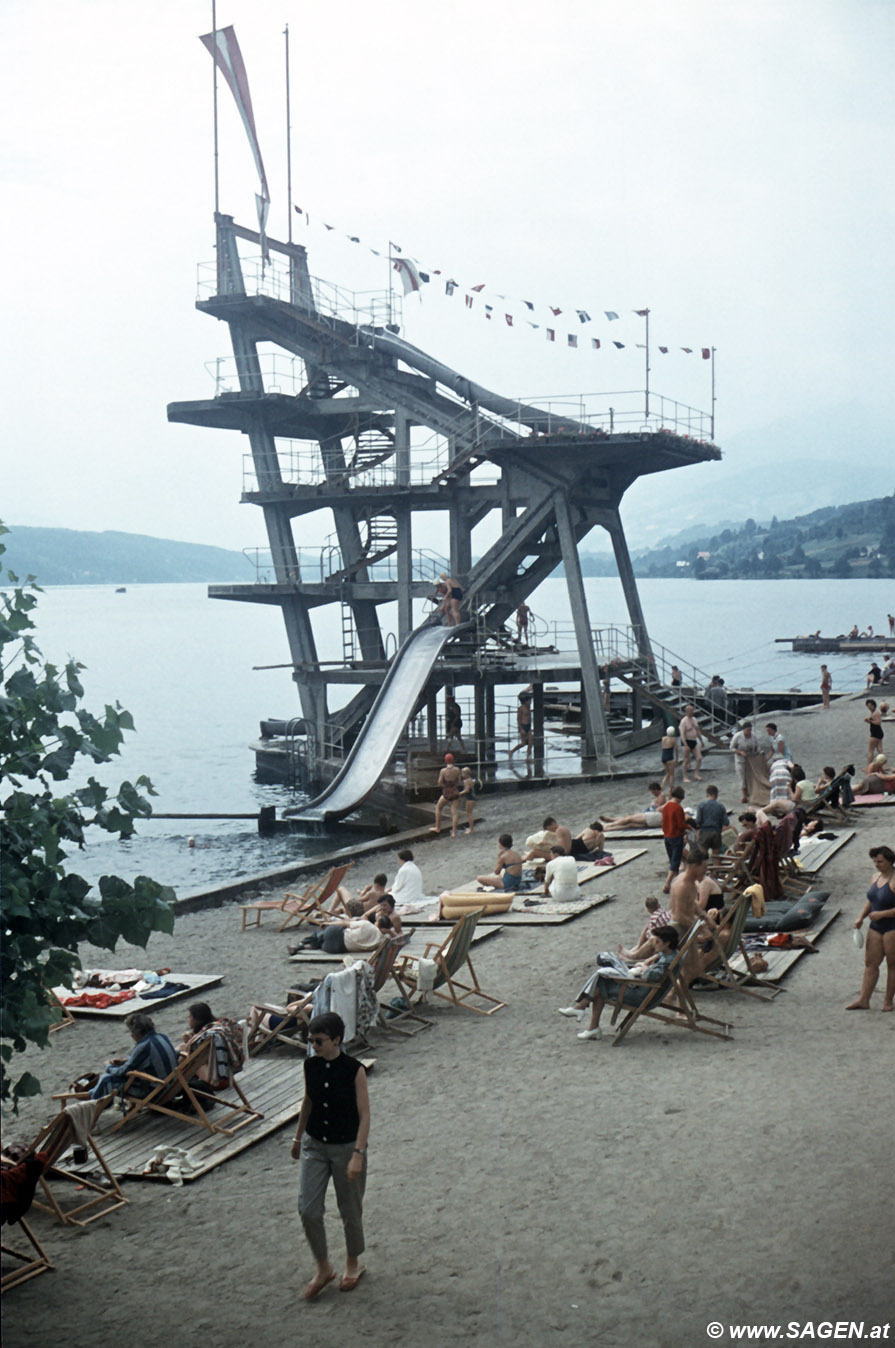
[{"x": 383, "y": 727}]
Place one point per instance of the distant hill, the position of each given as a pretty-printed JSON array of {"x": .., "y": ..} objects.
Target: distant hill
[
  {"x": 842, "y": 541},
  {"x": 73, "y": 557},
  {"x": 854, "y": 540}
]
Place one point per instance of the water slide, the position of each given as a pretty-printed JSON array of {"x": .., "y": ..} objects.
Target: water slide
[{"x": 383, "y": 727}]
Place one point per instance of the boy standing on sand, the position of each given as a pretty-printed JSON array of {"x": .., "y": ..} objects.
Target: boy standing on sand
[{"x": 674, "y": 827}]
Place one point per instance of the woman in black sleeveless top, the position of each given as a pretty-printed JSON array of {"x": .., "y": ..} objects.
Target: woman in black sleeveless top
[{"x": 331, "y": 1142}]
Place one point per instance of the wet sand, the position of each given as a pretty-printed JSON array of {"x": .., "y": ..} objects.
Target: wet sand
[{"x": 525, "y": 1187}]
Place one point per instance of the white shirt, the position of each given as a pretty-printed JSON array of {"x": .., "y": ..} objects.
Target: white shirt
[
  {"x": 407, "y": 886},
  {"x": 561, "y": 879}
]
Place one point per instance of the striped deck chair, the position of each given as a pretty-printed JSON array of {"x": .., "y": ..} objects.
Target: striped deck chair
[
  {"x": 295, "y": 907},
  {"x": 451, "y": 958},
  {"x": 175, "y": 1096},
  {"x": 401, "y": 1019},
  {"x": 669, "y": 1000},
  {"x": 716, "y": 969}
]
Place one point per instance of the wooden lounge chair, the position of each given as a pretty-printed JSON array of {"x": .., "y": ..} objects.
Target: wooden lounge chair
[
  {"x": 53, "y": 1140},
  {"x": 451, "y": 958},
  {"x": 173, "y": 1095},
  {"x": 29, "y": 1261},
  {"x": 297, "y": 907},
  {"x": 289, "y": 1031},
  {"x": 669, "y": 1000},
  {"x": 403, "y": 1020},
  {"x": 717, "y": 969}
]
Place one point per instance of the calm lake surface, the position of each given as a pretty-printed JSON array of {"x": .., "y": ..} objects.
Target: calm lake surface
[{"x": 183, "y": 665}]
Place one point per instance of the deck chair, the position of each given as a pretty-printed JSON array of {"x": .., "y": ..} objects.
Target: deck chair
[
  {"x": 25, "y": 1258},
  {"x": 53, "y": 1141},
  {"x": 289, "y": 1031},
  {"x": 669, "y": 1000},
  {"x": 401, "y": 1019},
  {"x": 173, "y": 1095},
  {"x": 294, "y": 907},
  {"x": 824, "y": 799},
  {"x": 717, "y": 970},
  {"x": 28, "y": 1261},
  {"x": 450, "y": 958}
]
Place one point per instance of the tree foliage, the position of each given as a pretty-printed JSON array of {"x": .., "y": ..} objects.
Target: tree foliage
[{"x": 46, "y": 910}]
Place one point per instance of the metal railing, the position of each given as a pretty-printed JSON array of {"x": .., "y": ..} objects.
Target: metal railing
[
  {"x": 273, "y": 278},
  {"x": 617, "y": 412},
  {"x": 280, "y": 372},
  {"x": 261, "y": 559}
]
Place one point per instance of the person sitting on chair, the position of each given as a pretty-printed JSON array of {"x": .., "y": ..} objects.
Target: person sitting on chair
[
  {"x": 152, "y": 1053},
  {"x": 600, "y": 989}
]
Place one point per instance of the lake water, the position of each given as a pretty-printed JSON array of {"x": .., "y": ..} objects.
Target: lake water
[{"x": 183, "y": 665}]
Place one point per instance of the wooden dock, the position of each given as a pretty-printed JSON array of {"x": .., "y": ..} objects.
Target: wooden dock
[{"x": 274, "y": 1085}]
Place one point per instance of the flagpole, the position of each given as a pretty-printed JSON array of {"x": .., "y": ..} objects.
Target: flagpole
[
  {"x": 214, "y": 65},
  {"x": 288, "y": 137},
  {"x": 389, "y": 281},
  {"x": 646, "y": 320},
  {"x": 713, "y": 395}
]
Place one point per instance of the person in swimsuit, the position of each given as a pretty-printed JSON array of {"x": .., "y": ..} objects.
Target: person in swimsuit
[
  {"x": 453, "y": 721},
  {"x": 669, "y": 757},
  {"x": 692, "y": 740},
  {"x": 650, "y": 818},
  {"x": 450, "y": 605},
  {"x": 523, "y": 726},
  {"x": 874, "y": 722},
  {"x": 507, "y": 869},
  {"x": 880, "y": 908},
  {"x": 467, "y": 794},
  {"x": 450, "y": 781},
  {"x": 677, "y": 677},
  {"x": 826, "y": 685}
]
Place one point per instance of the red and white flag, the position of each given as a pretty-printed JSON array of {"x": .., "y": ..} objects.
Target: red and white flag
[
  {"x": 410, "y": 277},
  {"x": 227, "y": 57}
]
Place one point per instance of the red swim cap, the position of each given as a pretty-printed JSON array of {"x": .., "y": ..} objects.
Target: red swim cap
[{"x": 449, "y": 758}]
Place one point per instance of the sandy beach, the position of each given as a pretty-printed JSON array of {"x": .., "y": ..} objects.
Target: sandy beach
[{"x": 525, "y": 1187}]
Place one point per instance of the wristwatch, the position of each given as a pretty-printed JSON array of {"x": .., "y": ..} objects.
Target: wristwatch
[{"x": 361, "y": 1151}]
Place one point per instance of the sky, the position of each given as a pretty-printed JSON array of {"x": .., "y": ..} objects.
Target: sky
[{"x": 726, "y": 165}]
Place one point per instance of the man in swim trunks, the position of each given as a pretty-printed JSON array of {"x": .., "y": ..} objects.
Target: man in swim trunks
[
  {"x": 507, "y": 869},
  {"x": 875, "y": 726},
  {"x": 450, "y": 783},
  {"x": 692, "y": 740}
]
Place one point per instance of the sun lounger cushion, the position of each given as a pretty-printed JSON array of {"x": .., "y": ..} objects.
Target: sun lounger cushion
[{"x": 784, "y": 915}]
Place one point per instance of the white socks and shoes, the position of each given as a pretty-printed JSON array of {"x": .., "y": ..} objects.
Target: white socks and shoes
[
  {"x": 590, "y": 1034},
  {"x": 575, "y": 1012}
]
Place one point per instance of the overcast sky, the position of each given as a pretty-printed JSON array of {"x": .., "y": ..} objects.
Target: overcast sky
[{"x": 728, "y": 165}]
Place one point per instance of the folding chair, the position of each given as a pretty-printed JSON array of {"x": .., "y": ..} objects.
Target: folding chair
[
  {"x": 450, "y": 959},
  {"x": 175, "y": 1096}
]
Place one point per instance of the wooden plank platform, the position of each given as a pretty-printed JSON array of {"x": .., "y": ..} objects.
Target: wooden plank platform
[
  {"x": 816, "y": 852},
  {"x": 415, "y": 921},
  {"x": 194, "y": 983},
  {"x": 781, "y": 961},
  {"x": 587, "y": 870},
  {"x": 273, "y": 1084},
  {"x": 868, "y": 801}
]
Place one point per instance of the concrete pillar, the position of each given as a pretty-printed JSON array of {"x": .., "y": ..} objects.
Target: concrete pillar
[{"x": 595, "y": 731}]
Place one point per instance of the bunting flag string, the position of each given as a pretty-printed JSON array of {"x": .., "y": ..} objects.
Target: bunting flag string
[{"x": 414, "y": 278}]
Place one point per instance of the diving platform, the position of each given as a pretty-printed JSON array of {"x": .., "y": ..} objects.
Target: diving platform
[{"x": 343, "y": 415}]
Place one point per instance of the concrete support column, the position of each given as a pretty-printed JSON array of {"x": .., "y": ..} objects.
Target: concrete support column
[
  {"x": 405, "y": 571},
  {"x": 595, "y": 730},
  {"x": 629, "y": 585}
]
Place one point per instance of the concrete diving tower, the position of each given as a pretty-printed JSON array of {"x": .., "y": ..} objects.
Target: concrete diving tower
[{"x": 379, "y": 433}]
